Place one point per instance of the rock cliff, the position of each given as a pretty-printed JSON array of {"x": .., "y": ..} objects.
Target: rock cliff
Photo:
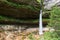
[{"x": 18, "y": 11}]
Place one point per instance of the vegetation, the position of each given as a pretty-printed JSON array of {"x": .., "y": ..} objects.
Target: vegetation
[
  {"x": 46, "y": 36},
  {"x": 55, "y": 17}
]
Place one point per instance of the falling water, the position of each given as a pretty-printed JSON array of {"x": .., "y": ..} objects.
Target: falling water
[{"x": 40, "y": 23}]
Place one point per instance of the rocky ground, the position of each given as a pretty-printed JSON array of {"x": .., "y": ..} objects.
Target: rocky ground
[
  {"x": 26, "y": 34},
  {"x": 15, "y": 35}
]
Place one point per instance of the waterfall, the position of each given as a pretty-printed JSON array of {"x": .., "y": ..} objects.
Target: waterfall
[{"x": 40, "y": 23}]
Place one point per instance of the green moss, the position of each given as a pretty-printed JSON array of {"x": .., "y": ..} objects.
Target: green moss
[{"x": 21, "y": 20}]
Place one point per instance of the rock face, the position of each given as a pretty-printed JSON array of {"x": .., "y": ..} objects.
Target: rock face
[
  {"x": 7, "y": 10},
  {"x": 50, "y": 3},
  {"x": 25, "y": 9},
  {"x": 26, "y": 2}
]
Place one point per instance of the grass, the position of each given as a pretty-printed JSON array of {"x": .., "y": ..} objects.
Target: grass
[
  {"x": 46, "y": 36},
  {"x": 50, "y": 36}
]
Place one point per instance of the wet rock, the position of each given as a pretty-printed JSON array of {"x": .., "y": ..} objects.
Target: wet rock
[
  {"x": 50, "y": 3},
  {"x": 10, "y": 27}
]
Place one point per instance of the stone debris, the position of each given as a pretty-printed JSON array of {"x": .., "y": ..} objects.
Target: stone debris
[{"x": 16, "y": 35}]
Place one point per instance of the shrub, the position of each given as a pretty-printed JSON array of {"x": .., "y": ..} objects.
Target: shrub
[
  {"x": 55, "y": 17},
  {"x": 46, "y": 36}
]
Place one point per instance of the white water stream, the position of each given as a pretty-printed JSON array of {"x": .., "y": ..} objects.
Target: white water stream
[{"x": 40, "y": 23}]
